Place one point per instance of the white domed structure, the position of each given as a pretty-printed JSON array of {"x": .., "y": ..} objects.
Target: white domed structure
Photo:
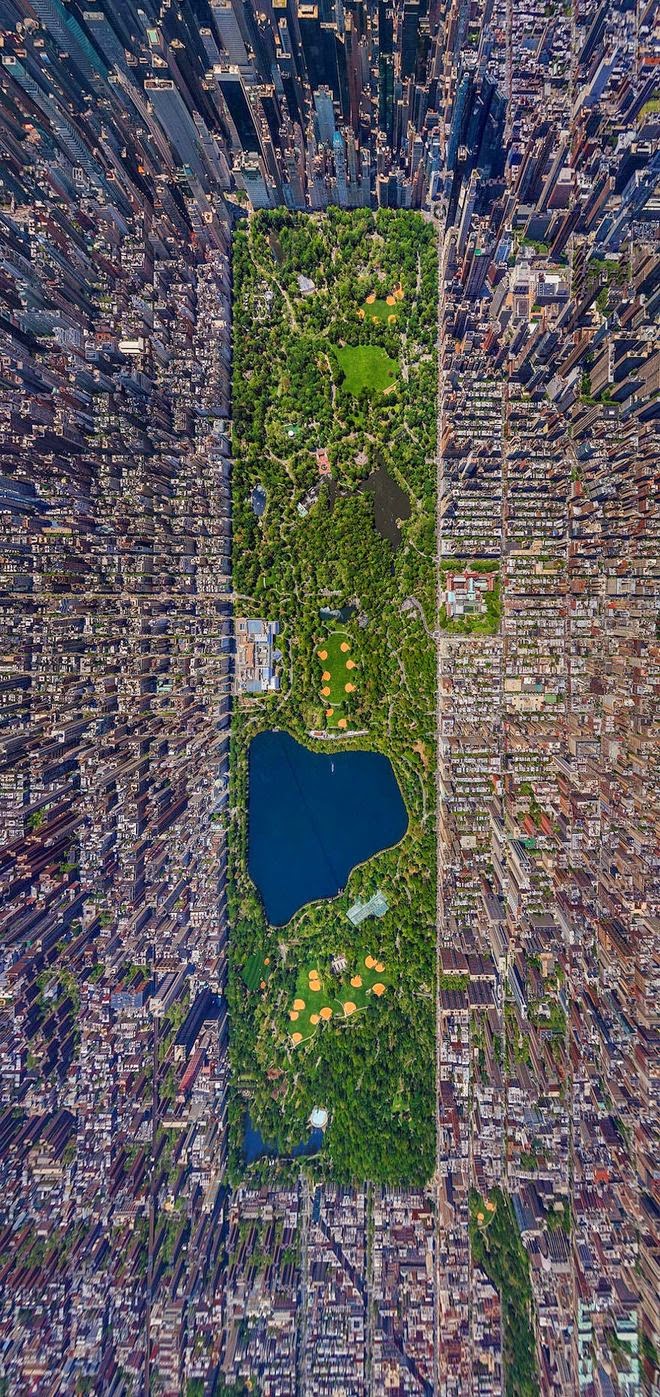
[{"x": 319, "y": 1118}]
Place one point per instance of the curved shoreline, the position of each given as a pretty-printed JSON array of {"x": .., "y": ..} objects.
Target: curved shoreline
[{"x": 359, "y": 863}]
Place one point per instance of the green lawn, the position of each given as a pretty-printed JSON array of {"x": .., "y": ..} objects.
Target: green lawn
[
  {"x": 367, "y": 366},
  {"x": 336, "y": 666},
  {"x": 379, "y": 310},
  {"x": 256, "y": 969},
  {"x": 335, "y": 993}
]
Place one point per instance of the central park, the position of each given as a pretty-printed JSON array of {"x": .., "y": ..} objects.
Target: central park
[{"x": 332, "y": 977}]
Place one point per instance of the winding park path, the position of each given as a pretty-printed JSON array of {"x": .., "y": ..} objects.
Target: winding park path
[{"x": 414, "y": 604}]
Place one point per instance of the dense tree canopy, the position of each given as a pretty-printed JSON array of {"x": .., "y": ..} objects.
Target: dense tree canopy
[
  {"x": 317, "y": 545},
  {"x": 498, "y": 1248}
]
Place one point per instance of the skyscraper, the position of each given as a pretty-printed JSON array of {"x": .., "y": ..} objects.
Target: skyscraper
[{"x": 185, "y": 189}]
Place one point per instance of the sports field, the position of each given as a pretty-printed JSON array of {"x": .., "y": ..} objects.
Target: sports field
[
  {"x": 322, "y": 998},
  {"x": 338, "y": 676},
  {"x": 256, "y": 971},
  {"x": 383, "y": 308}
]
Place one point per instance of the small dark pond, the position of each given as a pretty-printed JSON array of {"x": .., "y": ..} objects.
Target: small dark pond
[
  {"x": 343, "y": 614},
  {"x": 255, "y": 1147},
  {"x": 391, "y": 503},
  {"x": 312, "y": 817}
]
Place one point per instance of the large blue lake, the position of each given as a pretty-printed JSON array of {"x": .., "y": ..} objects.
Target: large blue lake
[
  {"x": 255, "y": 1147},
  {"x": 313, "y": 817}
]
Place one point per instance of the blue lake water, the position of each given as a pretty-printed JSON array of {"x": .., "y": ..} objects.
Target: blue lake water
[
  {"x": 255, "y": 1147},
  {"x": 313, "y": 816}
]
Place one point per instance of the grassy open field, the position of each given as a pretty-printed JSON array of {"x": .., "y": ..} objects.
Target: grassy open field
[
  {"x": 324, "y": 1000},
  {"x": 383, "y": 308},
  {"x": 338, "y": 670},
  {"x": 367, "y": 366},
  {"x": 379, "y": 310},
  {"x": 256, "y": 970}
]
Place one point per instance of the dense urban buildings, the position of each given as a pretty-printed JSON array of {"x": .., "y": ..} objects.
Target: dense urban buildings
[{"x": 139, "y": 1251}]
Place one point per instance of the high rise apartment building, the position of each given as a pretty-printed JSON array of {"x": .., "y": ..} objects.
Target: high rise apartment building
[{"x": 132, "y": 136}]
